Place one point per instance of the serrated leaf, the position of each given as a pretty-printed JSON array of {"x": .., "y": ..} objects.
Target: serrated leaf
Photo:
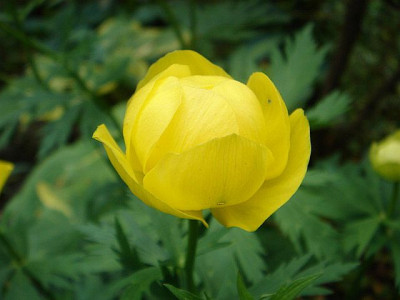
[
  {"x": 282, "y": 275},
  {"x": 290, "y": 291},
  {"x": 57, "y": 133},
  {"x": 245, "y": 60},
  {"x": 358, "y": 234},
  {"x": 328, "y": 110},
  {"x": 182, "y": 294},
  {"x": 296, "y": 220},
  {"x": 140, "y": 282},
  {"x": 128, "y": 256},
  {"x": 295, "y": 71},
  {"x": 244, "y": 294}
]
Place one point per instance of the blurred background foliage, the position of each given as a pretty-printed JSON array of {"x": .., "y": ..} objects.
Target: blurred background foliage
[{"x": 69, "y": 229}]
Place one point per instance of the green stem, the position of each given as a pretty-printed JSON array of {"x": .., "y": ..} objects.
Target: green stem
[
  {"x": 19, "y": 261},
  {"x": 173, "y": 21},
  {"x": 191, "y": 254},
  {"x": 394, "y": 200},
  {"x": 193, "y": 24}
]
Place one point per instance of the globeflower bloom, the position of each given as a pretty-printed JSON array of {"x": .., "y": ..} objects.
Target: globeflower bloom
[
  {"x": 385, "y": 157},
  {"x": 197, "y": 139},
  {"x": 5, "y": 171}
]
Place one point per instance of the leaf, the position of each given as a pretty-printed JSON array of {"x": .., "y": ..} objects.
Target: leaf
[
  {"x": 295, "y": 71},
  {"x": 128, "y": 256},
  {"x": 57, "y": 133},
  {"x": 297, "y": 220},
  {"x": 218, "y": 268},
  {"x": 246, "y": 59},
  {"x": 182, "y": 294},
  {"x": 290, "y": 291},
  {"x": 140, "y": 282},
  {"x": 244, "y": 294},
  {"x": 328, "y": 110},
  {"x": 358, "y": 234},
  {"x": 301, "y": 267}
]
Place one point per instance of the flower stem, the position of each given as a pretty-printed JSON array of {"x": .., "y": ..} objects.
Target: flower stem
[
  {"x": 394, "y": 200},
  {"x": 191, "y": 254}
]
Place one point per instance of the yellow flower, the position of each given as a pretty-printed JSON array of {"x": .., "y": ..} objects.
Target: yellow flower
[
  {"x": 385, "y": 157},
  {"x": 197, "y": 139},
  {"x": 5, "y": 170}
]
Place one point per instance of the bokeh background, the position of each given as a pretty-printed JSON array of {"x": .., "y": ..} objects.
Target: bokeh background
[{"x": 68, "y": 66}]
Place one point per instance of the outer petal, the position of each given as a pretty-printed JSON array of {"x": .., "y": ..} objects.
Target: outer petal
[
  {"x": 276, "y": 118},
  {"x": 155, "y": 116},
  {"x": 122, "y": 166},
  {"x": 198, "y": 65},
  {"x": 202, "y": 116},
  {"x": 273, "y": 193},
  {"x": 221, "y": 172},
  {"x": 140, "y": 98},
  {"x": 5, "y": 170}
]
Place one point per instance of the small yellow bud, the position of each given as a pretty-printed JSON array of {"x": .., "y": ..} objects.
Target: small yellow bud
[{"x": 385, "y": 157}]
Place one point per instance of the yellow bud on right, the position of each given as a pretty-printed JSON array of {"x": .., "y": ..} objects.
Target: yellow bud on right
[{"x": 385, "y": 157}]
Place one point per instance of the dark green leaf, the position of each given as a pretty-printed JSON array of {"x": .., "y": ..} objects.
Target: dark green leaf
[
  {"x": 295, "y": 71},
  {"x": 290, "y": 291},
  {"x": 328, "y": 110},
  {"x": 182, "y": 294}
]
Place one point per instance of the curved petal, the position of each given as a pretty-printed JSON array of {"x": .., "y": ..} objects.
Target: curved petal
[
  {"x": 198, "y": 65},
  {"x": 122, "y": 166},
  {"x": 221, "y": 172},
  {"x": 273, "y": 193},
  {"x": 202, "y": 116},
  {"x": 139, "y": 99},
  {"x": 5, "y": 171},
  {"x": 155, "y": 116},
  {"x": 276, "y": 118},
  {"x": 247, "y": 108}
]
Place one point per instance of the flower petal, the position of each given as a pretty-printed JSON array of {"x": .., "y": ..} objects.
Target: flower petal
[
  {"x": 138, "y": 100},
  {"x": 247, "y": 108},
  {"x": 5, "y": 170},
  {"x": 202, "y": 116},
  {"x": 276, "y": 118},
  {"x": 221, "y": 172},
  {"x": 273, "y": 193},
  {"x": 123, "y": 167},
  {"x": 198, "y": 65},
  {"x": 155, "y": 116}
]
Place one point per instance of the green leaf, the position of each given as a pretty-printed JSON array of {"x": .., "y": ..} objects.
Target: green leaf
[
  {"x": 57, "y": 133},
  {"x": 244, "y": 294},
  {"x": 302, "y": 267},
  {"x": 290, "y": 291},
  {"x": 128, "y": 256},
  {"x": 246, "y": 59},
  {"x": 295, "y": 71},
  {"x": 182, "y": 294},
  {"x": 328, "y": 110},
  {"x": 358, "y": 234},
  {"x": 218, "y": 268},
  {"x": 140, "y": 282},
  {"x": 297, "y": 220}
]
